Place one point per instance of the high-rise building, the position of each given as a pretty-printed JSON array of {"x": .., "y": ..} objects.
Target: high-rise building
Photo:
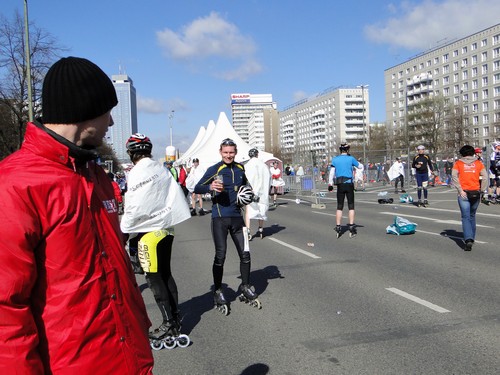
[
  {"x": 313, "y": 128},
  {"x": 465, "y": 72},
  {"x": 243, "y": 106},
  {"x": 124, "y": 116}
]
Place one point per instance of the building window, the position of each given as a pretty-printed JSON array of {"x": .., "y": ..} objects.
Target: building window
[
  {"x": 464, "y": 50},
  {"x": 496, "y": 91},
  {"x": 485, "y": 81},
  {"x": 485, "y": 94},
  {"x": 484, "y": 69},
  {"x": 496, "y": 52},
  {"x": 496, "y": 65},
  {"x": 473, "y": 46},
  {"x": 464, "y": 63},
  {"x": 465, "y": 74},
  {"x": 455, "y": 53},
  {"x": 496, "y": 39},
  {"x": 474, "y": 60},
  {"x": 484, "y": 56},
  {"x": 446, "y": 80},
  {"x": 475, "y": 96},
  {"x": 484, "y": 43},
  {"x": 455, "y": 66},
  {"x": 485, "y": 107},
  {"x": 486, "y": 130},
  {"x": 445, "y": 57}
]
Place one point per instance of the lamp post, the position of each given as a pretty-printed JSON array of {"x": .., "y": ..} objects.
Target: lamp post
[
  {"x": 362, "y": 87},
  {"x": 28, "y": 61},
  {"x": 170, "y": 117}
]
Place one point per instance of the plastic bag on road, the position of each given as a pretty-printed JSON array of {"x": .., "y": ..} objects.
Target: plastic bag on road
[{"x": 401, "y": 226}]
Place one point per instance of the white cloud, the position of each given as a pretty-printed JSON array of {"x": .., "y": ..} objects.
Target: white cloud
[
  {"x": 149, "y": 105},
  {"x": 215, "y": 39},
  {"x": 424, "y": 25},
  {"x": 299, "y": 95}
]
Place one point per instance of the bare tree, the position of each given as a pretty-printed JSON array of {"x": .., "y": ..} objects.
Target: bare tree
[
  {"x": 456, "y": 132},
  {"x": 44, "y": 50},
  {"x": 426, "y": 123}
]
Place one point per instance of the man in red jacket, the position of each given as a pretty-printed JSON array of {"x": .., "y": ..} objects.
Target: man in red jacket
[{"x": 69, "y": 302}]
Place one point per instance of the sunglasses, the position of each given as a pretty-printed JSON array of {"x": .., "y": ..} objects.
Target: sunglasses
[{"x": 228, "y": 142}]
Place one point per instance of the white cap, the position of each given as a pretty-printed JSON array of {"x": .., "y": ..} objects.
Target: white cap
[{"x": 421, "y": 147}]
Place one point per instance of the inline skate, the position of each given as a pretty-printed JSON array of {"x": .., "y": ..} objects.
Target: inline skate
[
  {"x": 338, "y": 230},
  {"x": 249, "y": 296},
  {"x": 220, "y": 302},
  {"x": 352, "y": 230},
  {"x": 167, "y": 336}
]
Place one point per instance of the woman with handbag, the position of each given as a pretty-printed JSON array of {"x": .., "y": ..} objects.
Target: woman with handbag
[{"x": 471, "y": 180}]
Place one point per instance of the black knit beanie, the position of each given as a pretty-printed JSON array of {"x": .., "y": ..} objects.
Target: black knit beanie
[{"x": 76, "y": 90}]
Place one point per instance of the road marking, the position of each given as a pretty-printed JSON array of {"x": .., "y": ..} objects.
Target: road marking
[
  {"x": 456, "y": 222},
  {"x": 442, "y": 235},
  {"x": 418, "y": 300},
  {"x": 299, "y": 250}
]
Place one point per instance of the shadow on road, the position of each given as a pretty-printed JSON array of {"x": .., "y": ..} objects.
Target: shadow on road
[
  {"x": 454, "y": 236},
  {"x": 273, "y": 229},
  {"x": 256, "y": 369}
]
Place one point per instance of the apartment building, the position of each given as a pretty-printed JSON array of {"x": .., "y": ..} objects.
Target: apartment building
[
  {"x": 243, "y": 106},
  {"x": 465, "y": 72},
  {"x": 313, "y": 128}
]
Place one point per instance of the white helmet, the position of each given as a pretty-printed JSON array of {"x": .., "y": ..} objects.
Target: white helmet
[{"x": 245, "y": 195}]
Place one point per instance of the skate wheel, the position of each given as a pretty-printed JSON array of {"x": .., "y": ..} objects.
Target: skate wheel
[
  {"x": 256, "y": 303},
  {"x": 169, "y": 342},
  {"x": 156, "y": 345},
  {"x": 223, "y": 309},
  {"x": 183, "y": 341}
]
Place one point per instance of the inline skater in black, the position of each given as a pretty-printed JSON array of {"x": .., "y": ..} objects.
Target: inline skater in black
[
  {"x": 422, "y": 164},
  {"x": 224, "y": 180}
]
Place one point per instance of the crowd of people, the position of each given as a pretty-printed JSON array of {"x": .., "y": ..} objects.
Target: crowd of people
[{"x": 63, "y": 255}]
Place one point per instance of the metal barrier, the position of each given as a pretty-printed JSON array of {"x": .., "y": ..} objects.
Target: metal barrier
[{"x": 304, "y": 188}]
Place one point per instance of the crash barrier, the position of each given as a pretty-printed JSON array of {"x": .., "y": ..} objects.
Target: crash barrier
[{"x": 303, "y": 187}]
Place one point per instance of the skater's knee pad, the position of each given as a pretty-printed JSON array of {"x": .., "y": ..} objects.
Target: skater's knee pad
[
  {"x": 424, "y": 184},
  {"x": 219, "y": 261},
  {"x": 419, "y": 188}
]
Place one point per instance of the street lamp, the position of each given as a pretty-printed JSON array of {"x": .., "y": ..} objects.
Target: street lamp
[
  {"x": 170, "y": 117},
  {"x": 28, "y": 61},
  {"x": 362, "y": 87}
]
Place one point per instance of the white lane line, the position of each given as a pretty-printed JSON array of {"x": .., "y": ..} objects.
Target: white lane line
[
  {"x": 299, "y": 250},
  {"x": 441, "y": 235},
  {"x": 425, "y": 303},
  {"x": 456, "y": 222}
]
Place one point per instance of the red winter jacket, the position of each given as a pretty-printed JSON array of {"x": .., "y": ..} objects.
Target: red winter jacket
[{"x": 69, "y": 302}]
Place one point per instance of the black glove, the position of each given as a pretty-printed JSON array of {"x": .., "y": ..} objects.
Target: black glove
[{"x": 330, "y": 188}]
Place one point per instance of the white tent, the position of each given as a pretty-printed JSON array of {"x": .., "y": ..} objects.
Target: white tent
[
  {"x": 207, "y": 150},
  {"x": 196, "y": 142}
]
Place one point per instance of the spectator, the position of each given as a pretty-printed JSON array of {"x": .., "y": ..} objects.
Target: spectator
[{"x": 69, "y": 302}]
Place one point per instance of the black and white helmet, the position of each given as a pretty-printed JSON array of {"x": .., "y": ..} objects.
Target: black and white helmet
[
  {"x": 344, "y": 147},
  {"x": 245, "y": 195},
  {"x": 139, "y": 143},
  {"x": 253, "y": 153}
]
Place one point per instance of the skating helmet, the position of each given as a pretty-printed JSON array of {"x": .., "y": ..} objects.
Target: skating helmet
[
  {"x": 344, "y": 147},
  {"x": 253, "y": 153},
  {"x": 245, "y": 195},
  {"x": 139, "y": 143},
  {"x": 495, "y": 144},
  {"x": 478, "y": 150}
]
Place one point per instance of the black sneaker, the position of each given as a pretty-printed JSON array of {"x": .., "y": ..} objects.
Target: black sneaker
[
  {"x": 201, "y": 212},
  {"x": 193, "y": 212},
  {"x": 426, "y": 202},
  {"x": 403, "y": 191},
  {"x": 468, "y": 245}
]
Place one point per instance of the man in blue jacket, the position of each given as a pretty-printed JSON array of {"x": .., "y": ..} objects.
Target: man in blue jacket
[{"x": 223, "y": 181}]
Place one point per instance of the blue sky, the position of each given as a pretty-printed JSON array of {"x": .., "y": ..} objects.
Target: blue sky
[{"x": 189, "y": 56}]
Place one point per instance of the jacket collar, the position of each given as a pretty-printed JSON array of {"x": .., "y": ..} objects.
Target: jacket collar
[{"x": 52, "y": 146}]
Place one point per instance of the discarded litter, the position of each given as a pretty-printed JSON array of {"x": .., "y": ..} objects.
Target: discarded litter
[
  {"x": 382, "y": 194},
  {"x": 310, "y": 244},
  {"x": 401, "y": 226}
]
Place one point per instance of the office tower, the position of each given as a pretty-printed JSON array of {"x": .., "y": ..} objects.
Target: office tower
[
  {"x": 124, "y": 116},
  {"x": 243, "y": 106}
]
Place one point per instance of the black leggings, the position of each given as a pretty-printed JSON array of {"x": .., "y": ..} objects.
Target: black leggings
[
  {"x": 161, "y": 282},
  {"x": 345, "y": 190},
  {"x": 221, "y": 226}
]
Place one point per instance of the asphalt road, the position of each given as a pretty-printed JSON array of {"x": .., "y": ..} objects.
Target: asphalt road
[{"x": 373, "y": 304}]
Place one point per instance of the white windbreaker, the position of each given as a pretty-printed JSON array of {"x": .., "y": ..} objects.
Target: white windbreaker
[
  {"x": 154, "y": 200},
  {"x": 259, "y": 177}
]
